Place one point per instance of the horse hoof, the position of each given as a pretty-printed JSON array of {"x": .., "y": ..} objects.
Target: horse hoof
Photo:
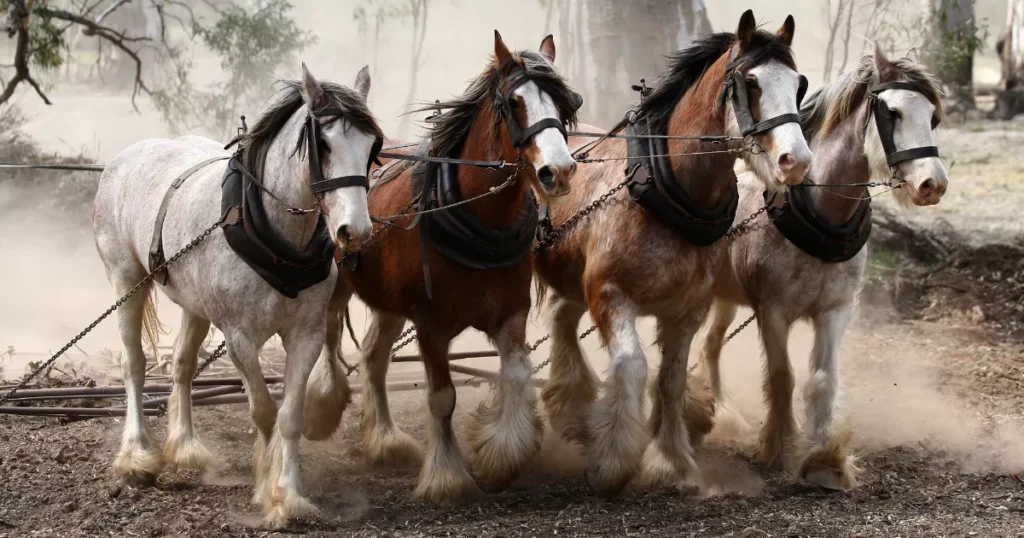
[
  {"x": 825, "y": 478},
  {"x": 601, "y": 485}
]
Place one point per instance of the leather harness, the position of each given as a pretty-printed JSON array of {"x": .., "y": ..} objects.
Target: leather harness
[
  {"x": 654, "y": 187},
  {"x": 244, "y": 219}
]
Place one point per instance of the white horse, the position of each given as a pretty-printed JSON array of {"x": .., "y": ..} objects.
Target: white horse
[
  {"x": 782, "y": 283},
  {"x": 213, "y": 284}
]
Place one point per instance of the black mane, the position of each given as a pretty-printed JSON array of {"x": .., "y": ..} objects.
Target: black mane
[
  {"x": 687, "y": 66},
  {"x": 451, "y": 128},
  {"x": 283, "y": 105}
]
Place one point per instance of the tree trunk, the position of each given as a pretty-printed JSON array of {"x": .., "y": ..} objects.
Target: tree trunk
[
  {"x": 629, "y": 41},
  {"x": 950, "y": 52},
  {"x": 1010, "y": 47}
]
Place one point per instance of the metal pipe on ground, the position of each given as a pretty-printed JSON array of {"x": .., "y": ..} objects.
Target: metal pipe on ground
[{"x": 72, "y": 411}]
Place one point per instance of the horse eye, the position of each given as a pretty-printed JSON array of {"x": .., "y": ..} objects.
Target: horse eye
[
  {"x": 896, "y": 114},
  {"x": 752, "y": 83},
  {"x": 513, "y": 104}
]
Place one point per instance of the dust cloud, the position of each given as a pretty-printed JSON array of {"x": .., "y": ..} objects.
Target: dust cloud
[{"x": 52, "y": 283}]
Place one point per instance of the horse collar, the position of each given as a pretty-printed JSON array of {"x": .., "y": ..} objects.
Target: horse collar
[
  {"x": 654, "y": 187},
  {"x": 794, "y": 216}
]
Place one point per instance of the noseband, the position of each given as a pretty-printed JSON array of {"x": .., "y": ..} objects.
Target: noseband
[
  {"x": 311, "y": 131},
  {"x": 502, "y": 100},
  {"x": 885, "y": 123},
  {"x": 735, "y": 87}
]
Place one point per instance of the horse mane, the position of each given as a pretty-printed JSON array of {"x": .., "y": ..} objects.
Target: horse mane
[
  {"x": 451, "y": 128},
  {"x": 834, "y": 103},
  {"x": 687, "y": 66},
  {"x": 282, "y": 106}
]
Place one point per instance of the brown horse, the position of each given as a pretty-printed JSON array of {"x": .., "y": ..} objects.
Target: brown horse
[
  {"x": 622, "y": 262},
  {"x": 517, "y": 111}
]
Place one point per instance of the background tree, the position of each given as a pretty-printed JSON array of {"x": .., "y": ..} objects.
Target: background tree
[
  {"x": 155, "y": 40},
  {"x": 1010, "y": 47}
]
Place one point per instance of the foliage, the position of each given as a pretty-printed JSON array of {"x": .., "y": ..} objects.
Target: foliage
[
  {"x": 251, "y": 45},
  {"x": 46, "y": 41}
]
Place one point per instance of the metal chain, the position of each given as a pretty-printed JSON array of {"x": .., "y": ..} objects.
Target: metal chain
[
  {"x": 149, "y": 278},
  {"x": 405, "y": 342},
  {"x": 544, "y": 338},
  {"x": 217, "y": 353},
  {"x": 554, "y": 234},
  {"x": 741, "y": 327}
]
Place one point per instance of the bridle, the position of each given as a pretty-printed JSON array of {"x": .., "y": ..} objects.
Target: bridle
[
  {"x": 884, "y": 122},
  {"x": 311, "y": 131},
  {"x": 504, "y": 96},
  {"x": 735, "y": 87}
]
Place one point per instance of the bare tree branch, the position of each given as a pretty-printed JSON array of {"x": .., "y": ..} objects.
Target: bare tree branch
[
  {"x": 115, "y": 38},
  {"x": 110, "y": 9}
]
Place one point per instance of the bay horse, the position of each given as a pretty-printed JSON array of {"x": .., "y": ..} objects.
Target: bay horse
[
  {"x": 783, "y": 282},
  {"x": 622, "y": 262},
  {"x": 516, "y": 111},
  {"x": 330, "y": 128}
]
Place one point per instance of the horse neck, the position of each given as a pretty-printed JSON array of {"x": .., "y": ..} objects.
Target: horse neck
[
  {"x": 839, "y": 160},
  {"x": 503, "y": 208},
  {"x": 705, "y": 177},
  {"x": 286, "y": 175}
]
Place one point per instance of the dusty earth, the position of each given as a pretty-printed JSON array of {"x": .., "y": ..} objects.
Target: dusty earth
[{"x": 932, "y": 386}]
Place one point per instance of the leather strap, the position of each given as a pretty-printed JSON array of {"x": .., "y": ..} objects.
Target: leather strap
[
  {"x": 911, "y": 154},
  {"x": 429, "y": 159},
  {"x": 519, "y": 137},
  {"x": 772, "y": 123},
  {"x": 340, "y": 183},
  {"x": 156, "y": 246}
]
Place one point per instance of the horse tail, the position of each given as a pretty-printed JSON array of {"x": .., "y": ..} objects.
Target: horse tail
[
  {"x": 351, "y": 331},
  {"x": 151, "y": 326}
]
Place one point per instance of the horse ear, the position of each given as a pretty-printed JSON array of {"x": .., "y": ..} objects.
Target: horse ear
[
  {"x": 362, "y": 84},
  {"x": 786, "y": 32},
  {"x": 501, "y": 52},
  {"x": 312, "y": 92},
  {"x": 882, "y": 64},
  {"x": 745, "y": 31},
  {"x": 547, "y": 48}
]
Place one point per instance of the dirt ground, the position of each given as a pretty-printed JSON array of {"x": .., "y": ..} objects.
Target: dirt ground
[{"x": 933, "y": 391}]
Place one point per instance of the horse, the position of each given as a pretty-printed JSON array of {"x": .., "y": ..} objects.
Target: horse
[
  {"x": 626, "y": 260},
  {"x": 323, "y": 123},
  {"x": 517, "y": 110},
  {"x": 783, "y": 282}
]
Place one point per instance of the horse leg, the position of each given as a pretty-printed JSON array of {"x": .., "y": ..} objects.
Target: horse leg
[
  {"x": 139, "y": 460},
  {"x": 827, "y": 460},
  {"x": 506, "y": 432},
  {"x": 779, "y": 428},
  {"x": 444, "y": 476},
  {"x": 282, "y": 499},
  {"x": 616, "y": 432},
  {"x": 677, "y": 407},
  {"x": 711, "y": 339},
  {"x": 244, "y": 355},
  {"x": 572, "y": 384},
  {"x": 383, "y": 441},
  {"x": 183, "y": 447},
  {"x": 327, "y": 393}
]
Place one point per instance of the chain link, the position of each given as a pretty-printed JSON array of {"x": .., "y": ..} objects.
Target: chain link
[
  {"x": 544, "y": 338},
  {"x": 149, "y": 278},
  {"x": 217, "y": 353},
  {"x": 741, "y": 327}
]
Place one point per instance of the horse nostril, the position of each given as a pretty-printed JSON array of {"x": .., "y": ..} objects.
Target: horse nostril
[
  {"x": 786, "y": 161},
  {"x": 546, "y": 175},
  {"x": 343, "y": 232},
  {"x": 927, "y": 188},
  {"x": 572, "y": 169}
]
